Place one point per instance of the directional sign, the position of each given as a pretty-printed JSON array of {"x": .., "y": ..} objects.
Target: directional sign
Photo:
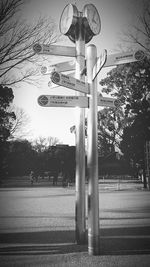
[
  {"x": 64, "y": 66},
  {"x": 69, "y": 82},
  {"x": 100, "y": 63},
  {"x": 53, "y": 85},
  {"x": 106, "y": 101},
  {"x": 59, "y": 67},
  {"x": 63, "y": 101},
  {"x": 55, "y": 50},
  {"x": 126, "y": 57}
]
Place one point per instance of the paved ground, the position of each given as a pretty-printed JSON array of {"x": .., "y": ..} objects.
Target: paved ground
[{"x": 37, "y": 227}]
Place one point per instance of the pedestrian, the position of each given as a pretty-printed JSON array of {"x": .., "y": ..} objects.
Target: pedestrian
[{"x": 31, "y": 177}]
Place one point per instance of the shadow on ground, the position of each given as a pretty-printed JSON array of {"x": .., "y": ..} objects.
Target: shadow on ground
[
  {"x": 125, "y": 241},
  {"x": 113, "y": 241}
]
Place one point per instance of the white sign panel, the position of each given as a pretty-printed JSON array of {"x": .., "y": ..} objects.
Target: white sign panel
[
  {"x": 106, "y": 101},
  {"x": 63, "y": 101},
  {"x": 126, "y": 57},
  {"x": 64, "y": 66},
  {"x": 67, "y": 51},
  {"x": 53, "y": 85},
  {"x": 59, "y": 67},
  {"x": 69, "y": 82},
  {"x": 100, "y": 63}
]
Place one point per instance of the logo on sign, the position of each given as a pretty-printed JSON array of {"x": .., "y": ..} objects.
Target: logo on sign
[
  {"x": 55, "y": 77},
  {"x": 43, "y": 100},
  {"x": 117, "y": 103},
  {"x": 139, "y": 55},
  {"x": 37, "y": 48},
  {"x": 43, "y": 69}
]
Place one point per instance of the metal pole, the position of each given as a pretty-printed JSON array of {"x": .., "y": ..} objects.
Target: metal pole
[
  {"x": 80, "y": 141},
  {"x": 92, "y": 157}
]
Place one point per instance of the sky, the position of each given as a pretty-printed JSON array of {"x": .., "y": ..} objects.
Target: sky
[{"x": 116, "y": 17}]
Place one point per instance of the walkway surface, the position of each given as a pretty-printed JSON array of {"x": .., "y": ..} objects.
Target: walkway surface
[{"x": 37, "y": 227}]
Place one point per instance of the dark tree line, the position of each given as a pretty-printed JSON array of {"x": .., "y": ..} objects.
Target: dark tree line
[
  {"x": 130, "y": 84},
  {"x": 129, "y": 126},
  {"x": 19, "y": 157},
  {"x": 22, "y": 158},
  {"x": 6, "y": 122}
]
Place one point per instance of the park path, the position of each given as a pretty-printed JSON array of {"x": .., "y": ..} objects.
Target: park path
[{"x": 37, "y": 225}]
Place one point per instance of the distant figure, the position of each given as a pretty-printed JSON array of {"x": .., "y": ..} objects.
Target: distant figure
[
  {"x": 54, "y": 169},
  {"x": 35, "y": 175},
  {"x": 55, "y": 177},
  {"x": 31, "y": 177},
  {"x": 140, "y": 175},
  {"x": 65, "y": 173}
]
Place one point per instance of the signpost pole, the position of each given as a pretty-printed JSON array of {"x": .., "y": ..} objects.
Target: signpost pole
[
  {"x": 92, "y": 157},
  {"x": 80, "y": 142}
]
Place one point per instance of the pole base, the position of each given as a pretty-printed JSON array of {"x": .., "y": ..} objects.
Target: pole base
[{"x": 93, "y": 245}]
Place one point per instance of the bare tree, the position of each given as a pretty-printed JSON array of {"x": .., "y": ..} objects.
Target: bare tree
[
  {"x": 40, "y": 144},
  {"x": 17, "y": 38},
  {"x": 52, "y": 141},
  {"x": 43, "y": 143},
  {"x": 19, "y": 126},
  {"x": 139, "y": 34}
]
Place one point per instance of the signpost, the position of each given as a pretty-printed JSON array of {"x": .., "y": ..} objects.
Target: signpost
[
  {"x": 63, "y": 101},
  {"x": 73, "y": 101},
  {"x": 64, "y": 66},
  {"x": 58, "y": 50},
  {"x": 106, "y": 101},
  {"x": 100, "y": 63},
  {"x": 69, "y": 82},
  {"x": 53, "y": 85},
  {"x": 59, "y": 67},
  {"x": 125, "y": 57},
  {"x": 80, "y": 27}
]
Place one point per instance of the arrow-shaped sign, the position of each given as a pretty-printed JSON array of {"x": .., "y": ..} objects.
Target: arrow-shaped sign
[
  {"x": 53, "y": 85},
  {"x": 106, "y": 101},
  {"x": 69, "y": 82},
  {"x": 67, "y": 51},
  {"x": 63, "y": 101},
  {"x": 100, "y": 63},
  {"x": 64, "y": 66},
  {"x": 59, "y": 67},
  {"x": 125, "y": 57}
]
